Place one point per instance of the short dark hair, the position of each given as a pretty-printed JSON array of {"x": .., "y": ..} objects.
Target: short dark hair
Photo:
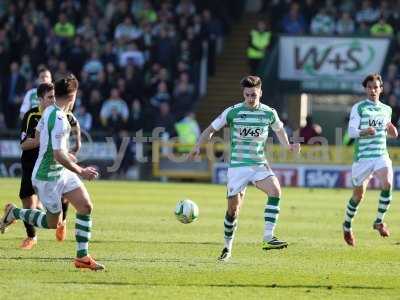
[
  {"x": 42, "y": 69},
  {"x": 372, "y": 77},
  {"x": 44, "y": 88},
  {"x": 250, "y": 82},
  {"x": 66, "y": 86}
]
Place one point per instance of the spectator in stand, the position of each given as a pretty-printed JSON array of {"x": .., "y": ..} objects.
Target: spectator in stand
[
  {"x": 347, "y": 6},
  {"x": 322, "y": 23},
  {"x": 136, "y": 119},
  {"x": 13, "y": 90},
  {"x": 93, "y": 66},
  {"x": 137, "y": 8},
  {"x": 185, "y": 8},
  {"x": 183, "y": 99},
  {"x": 330, "y": 7},
  {"x": 286, "y": 125},
  {"x": 165, "y": 119},
  {"x": 114, "y": 112},
  {"x": 164, "y": 49},
  {"x": 84, "y": 118},
  {"x": 293, "y": 22},
  {"x": 188, "y": 131},
  {"x": 131, "y": 55},
  {"x": 2, "y": 122},
  {"x": 396, "y": 88},
  {"x": 62, "y": 70},
  {"x": 161, "y": 96},
  {"x": 127, "y": 31},
  {"x": 385, "y": 9},
  {"x": 134, "y": 82},
  {"x": 393, "y": 102},
  {"x": 108, "y": 55},
  {"x": 345, "y": 25},
  {"x": 77, "y": 56},
  {"x": 310, "y": 130},
  {"x": 26, "y": 69},
  {"x": 392, "y": 72},
  {"x": 309, "y": 10},
  {"x": 86, "y": 30},
  {"x": 63, "y": 28},
  {"x": 212, "y": 31},
  {"x": 367, "y": 13},
  {"x": 122, "y": 89},
  {"x": 259, "y": 40},
  {"x": 148, "y": 13},
  {"x": 94, "y": 106},
  {"x": 363, "y": 29},
  {"x": 382, "y": 29}
]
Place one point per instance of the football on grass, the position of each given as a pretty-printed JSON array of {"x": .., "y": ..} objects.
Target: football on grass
[{"x": 186, "y": 211}]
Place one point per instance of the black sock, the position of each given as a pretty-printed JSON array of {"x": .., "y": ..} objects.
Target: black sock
[
  {"x": 30, "y": 230},
  {"x": 64, "y": 209}
]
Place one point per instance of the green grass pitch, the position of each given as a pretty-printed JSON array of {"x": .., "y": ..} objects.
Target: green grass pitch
[{"x": 150, "y": 255}]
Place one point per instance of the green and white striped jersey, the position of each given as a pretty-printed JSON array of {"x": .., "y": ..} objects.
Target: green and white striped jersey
[
  {"x": 54, "y": 131},
  {"x": 248, "y": 132},
  {"x": 366, "y": 114}
]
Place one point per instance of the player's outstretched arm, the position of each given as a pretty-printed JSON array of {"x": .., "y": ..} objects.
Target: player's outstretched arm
[
  {"x": 88, "y": 173},
  {"x": 205, "y": 136},
  {"x": 283, "y": 139}
]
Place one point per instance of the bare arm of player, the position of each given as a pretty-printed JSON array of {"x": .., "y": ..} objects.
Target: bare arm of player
[
  {"x": 392, "y": 130},
  {"x": 283, "y": 139},
  {"x": 88, "y": 173},
  {"x": 31, "y": 143},
  {"x": 205, "y": 136},
  {"x": 76, "y": 131}
]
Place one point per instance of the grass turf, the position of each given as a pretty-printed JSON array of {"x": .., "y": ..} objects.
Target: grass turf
[{"x": 150, "y": 255}]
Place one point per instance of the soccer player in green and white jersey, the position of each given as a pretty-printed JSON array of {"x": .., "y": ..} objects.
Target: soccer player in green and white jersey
[
  {"x": 55, "y": 175},
  {"x": 370, "y": 125},
  {"x": 31, "y": 98},
  {"x": 249, "y": 122}
]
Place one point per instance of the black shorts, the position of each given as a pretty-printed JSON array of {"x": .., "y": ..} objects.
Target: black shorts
[{"x": 26, "y": 188}]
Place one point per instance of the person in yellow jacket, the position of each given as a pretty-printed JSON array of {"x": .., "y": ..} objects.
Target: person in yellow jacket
[
  {"x": 259, "y": 40},
  {"x": 188, "y": 131}
]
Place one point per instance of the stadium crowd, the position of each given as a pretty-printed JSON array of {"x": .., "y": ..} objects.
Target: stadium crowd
[{"x": 138, "y": 62}]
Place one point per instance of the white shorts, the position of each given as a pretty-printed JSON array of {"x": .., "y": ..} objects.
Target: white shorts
[
  {"x": 362, "y": 170},
  {"x": 240, "y": 177},
  {"x": 50, "y": 192}
]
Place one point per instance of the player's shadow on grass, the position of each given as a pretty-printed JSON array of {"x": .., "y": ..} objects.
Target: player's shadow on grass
[
  {"x": 232, "y": 285},
  {"x": 154, "y": 242},
  {"x": 47, "y": 259}
]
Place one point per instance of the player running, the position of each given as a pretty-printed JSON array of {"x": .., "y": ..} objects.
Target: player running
[
  {"x": 249, "y": 122},
  {"x": 30, "y": 147},
  {"x": 370, "y": 125},
  {"x": 55, "y": 175}
]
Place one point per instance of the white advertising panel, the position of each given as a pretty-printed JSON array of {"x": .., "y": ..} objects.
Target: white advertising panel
[{"x": 330, "y": 58}]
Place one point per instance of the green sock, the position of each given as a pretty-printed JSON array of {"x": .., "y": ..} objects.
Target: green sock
[
  {"x": 271, "y": 214},
  {"x": 384, "y": 203},
  {"x": 83, "y": 226},
  {"x": 34, "y": 217},
  {"x": 351, "y": 210}
]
